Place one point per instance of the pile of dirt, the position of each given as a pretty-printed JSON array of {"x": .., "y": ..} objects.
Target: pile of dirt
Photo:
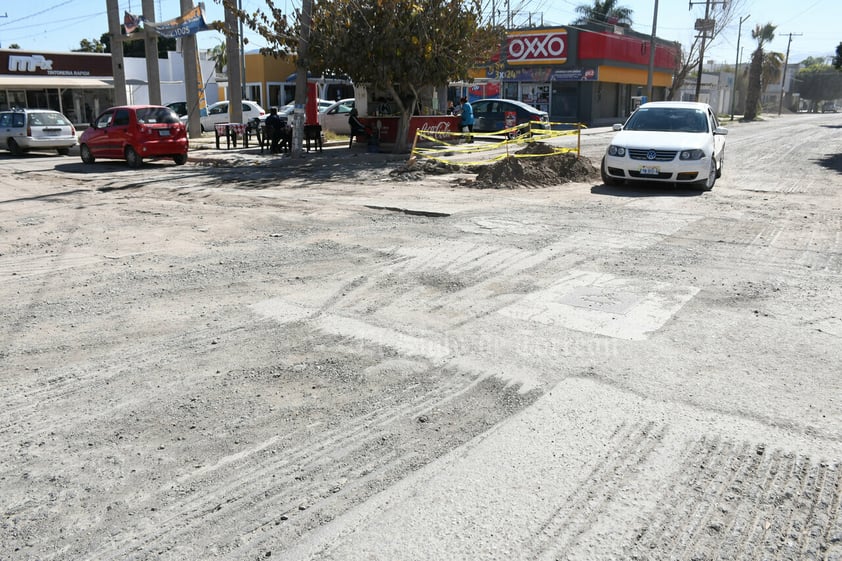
[
  {"x": 537, "y": 165},
  {"x": 416, "y": 171}
]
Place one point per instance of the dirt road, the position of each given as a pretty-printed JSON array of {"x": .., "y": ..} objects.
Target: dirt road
[{"x": 253, "y": 360}]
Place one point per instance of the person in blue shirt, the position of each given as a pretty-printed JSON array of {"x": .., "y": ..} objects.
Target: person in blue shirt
[{"x": 467, "y": 117}]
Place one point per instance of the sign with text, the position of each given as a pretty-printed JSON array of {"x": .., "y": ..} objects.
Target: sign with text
[
  {"x": 26, "y": 63},
  {"x": 544, "y": 46}
]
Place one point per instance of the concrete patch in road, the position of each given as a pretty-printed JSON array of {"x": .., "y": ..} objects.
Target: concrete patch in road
[{"x": 604, "y": 304}]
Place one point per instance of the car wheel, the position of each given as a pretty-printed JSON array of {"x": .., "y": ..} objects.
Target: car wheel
[
  {"x": 607, "y": 179},
  {"x": 85, "y": 153},
  {"x": 708, "y": 182},
  {"x": 180, "y": 159},
  {"x": 63, "y": 151},
  {"x": 14, "y": 147},
  {"x": 133, "y": 158},
  {"x": 721, "y": 163}
]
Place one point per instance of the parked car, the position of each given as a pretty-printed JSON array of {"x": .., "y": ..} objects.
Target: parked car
[
  {"x": 667, "y": 141},
  {"x": 135, "y": 132},
  {"x": 22, "y": 130},
  {"x": 335, "y": 117},
  {"x": 218, "y": 113},
  {"x": 490, "y": 114},
  {"x": 829, "y": 107},
  {"x": 286, "y": 110},
  {"x": 180, "y": 108}
]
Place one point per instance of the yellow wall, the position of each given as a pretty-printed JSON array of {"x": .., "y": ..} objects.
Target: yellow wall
[
  {"x": 634, "y": 76},
  {"x": 264, "y": 69}
]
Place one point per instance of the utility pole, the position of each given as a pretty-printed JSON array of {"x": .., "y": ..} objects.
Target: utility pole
[
  {"x": 651, "y": 72},
  {"x": 704, "y": 26},
  {"x": 783, "y": 77},
  {"x": 150, "y": 49},
  {"x": 301, "y": 79},
  {"x": 117, "y": 68},
  {"x": 235, "y": 69},
  {"x": 189, "y": 50},
  {"x": 737, "y": 65}
]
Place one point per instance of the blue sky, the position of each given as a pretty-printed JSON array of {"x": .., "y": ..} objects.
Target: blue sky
[{"x": 59, "y": 25}]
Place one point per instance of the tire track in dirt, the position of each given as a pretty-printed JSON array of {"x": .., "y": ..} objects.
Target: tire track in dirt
[
  {"x": 61, "y": 389},
  {"x": 735, "y": 501},
  {"x": 629, "y": 447},
  {"x": 254, "y": 482}
]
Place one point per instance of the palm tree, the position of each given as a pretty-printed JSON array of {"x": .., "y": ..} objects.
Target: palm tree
[
  {"x": 219, "y": 55},
  {"x": 607, "y": 11},
  {"x": 773, "y": 64},
  {"x": 762, "y": 35}
]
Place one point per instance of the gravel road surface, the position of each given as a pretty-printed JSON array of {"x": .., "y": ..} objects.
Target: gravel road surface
[{"x": 251, "y": 357}]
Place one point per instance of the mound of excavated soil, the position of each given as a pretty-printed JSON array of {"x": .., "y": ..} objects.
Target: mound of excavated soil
[{"x": 536, "y": 165}]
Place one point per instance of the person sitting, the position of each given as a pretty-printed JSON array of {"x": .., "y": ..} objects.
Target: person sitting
[
  {"x": 357, "y": 127},
  {"x": 274, "y": 127}
]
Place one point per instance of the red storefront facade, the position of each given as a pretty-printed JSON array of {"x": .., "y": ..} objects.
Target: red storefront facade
[{"x": 582, "y": 75}]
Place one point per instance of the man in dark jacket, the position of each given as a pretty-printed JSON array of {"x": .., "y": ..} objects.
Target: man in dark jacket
[{"x": 274, "y": 125}]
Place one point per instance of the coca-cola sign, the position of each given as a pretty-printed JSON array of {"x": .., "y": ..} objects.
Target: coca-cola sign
[{"x": 546, "y": 46}]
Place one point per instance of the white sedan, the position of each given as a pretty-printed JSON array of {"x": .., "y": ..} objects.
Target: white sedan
[
  {"x": 218, "y": 113},
  {"x": 669, "y": 142},
  {"x": 335, "y": 117}
]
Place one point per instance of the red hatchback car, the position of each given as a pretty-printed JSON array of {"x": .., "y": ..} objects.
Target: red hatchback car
[{"x": 135, "y": 132}]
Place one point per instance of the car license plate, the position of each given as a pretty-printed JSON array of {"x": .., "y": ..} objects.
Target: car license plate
[
  {"x": 164, "y": 132},
  {"x": 52, "y": 132},
  {"x": 649, "y": 170}
]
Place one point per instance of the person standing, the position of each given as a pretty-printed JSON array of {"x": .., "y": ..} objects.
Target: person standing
[{"x": 467, "y": 112}]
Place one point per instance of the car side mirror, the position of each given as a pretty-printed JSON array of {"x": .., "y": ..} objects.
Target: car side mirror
[
  {"x": 721, "y": 130},
  {"x": 617, "y": 127}
]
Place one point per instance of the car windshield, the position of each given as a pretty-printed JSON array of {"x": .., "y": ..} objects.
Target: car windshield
[
  {"x": 667, "y": 119},
  {"x": 48, "y": 119},
  {"x": 156, "y": 115}
]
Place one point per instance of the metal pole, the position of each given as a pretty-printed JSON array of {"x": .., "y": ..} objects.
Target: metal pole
[
  {"x": 650, "y": 74},
  {"x": 737, "y": 66}
]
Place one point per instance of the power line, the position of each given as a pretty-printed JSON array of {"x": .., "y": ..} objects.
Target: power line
[{"x": 59, "y": 5}]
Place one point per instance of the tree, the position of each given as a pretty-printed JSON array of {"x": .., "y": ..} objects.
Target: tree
[
  {"x": 762, "y": 35},
  {"x": 14, "y": 46},
  {"x": 771, "y": 70},
  {"x": 397, "y": 47},
  {"x": 606, "y": 11},
  {"x": 90, "y": 46},
  {"x": 817, "y": 83},
  {"x": 837, "y": 60},
  {"x": 219, "y": 55},
  {"x": 135, "y": 48}
]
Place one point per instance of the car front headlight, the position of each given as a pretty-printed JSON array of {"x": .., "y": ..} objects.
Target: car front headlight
[
  {"x": 616, "y": 151},
  {"x": 692, "y": 154}
]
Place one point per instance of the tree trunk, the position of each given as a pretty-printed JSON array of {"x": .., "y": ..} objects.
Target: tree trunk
[{"x": 754, "y": 86}]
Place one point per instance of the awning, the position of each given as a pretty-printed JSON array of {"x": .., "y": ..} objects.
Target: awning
[{"x": 47, "y": 82}]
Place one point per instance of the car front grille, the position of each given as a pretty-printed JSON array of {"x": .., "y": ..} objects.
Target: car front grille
[
  {"x": 659, "y": 155},
  {"x": 639, "y": 175}
]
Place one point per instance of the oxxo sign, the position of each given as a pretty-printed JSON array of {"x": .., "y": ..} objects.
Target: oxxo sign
[{"x": 548, "y": 46}]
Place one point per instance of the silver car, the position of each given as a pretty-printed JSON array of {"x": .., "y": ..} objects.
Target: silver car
[{"x": 22, "y": 130}]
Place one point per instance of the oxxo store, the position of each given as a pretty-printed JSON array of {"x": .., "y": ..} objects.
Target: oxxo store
[
  {"x": 581, "y": 75},
  {"x": 79, "y": 85}
]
